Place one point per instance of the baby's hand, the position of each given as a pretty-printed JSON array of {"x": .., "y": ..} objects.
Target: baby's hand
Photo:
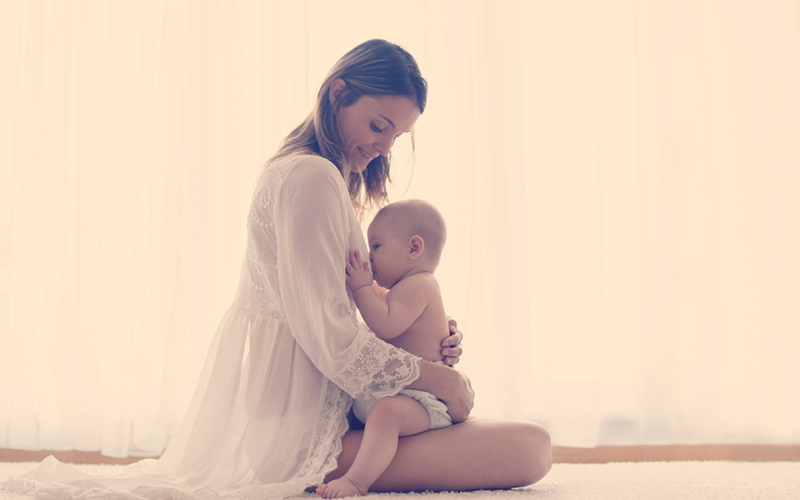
[{"x": 358, "y": 273}]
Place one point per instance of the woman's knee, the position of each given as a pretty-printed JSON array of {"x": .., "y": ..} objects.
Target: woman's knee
[
  {"x": 536, "y": 453},
  {"x": 519, "y": 452}
]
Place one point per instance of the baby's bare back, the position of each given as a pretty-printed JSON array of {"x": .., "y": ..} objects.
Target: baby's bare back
[{"x": 424, "y": 337}]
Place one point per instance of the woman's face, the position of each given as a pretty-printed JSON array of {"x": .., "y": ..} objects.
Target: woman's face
[{"x": 370, "y": 125}]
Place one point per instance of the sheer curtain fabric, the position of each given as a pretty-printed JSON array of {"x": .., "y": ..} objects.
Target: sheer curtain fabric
[{"x": 619, "y": 181}]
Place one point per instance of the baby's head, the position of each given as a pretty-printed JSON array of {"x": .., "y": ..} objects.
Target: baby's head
[{"x": 404, "y": 238}]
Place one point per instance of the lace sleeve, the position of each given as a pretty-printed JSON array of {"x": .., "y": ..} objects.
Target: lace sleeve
[
  {"x": 311, "y": 228},
  {"x": 378, "y": 370}
]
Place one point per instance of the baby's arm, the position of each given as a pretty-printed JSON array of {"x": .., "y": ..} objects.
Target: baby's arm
[
  {"x": 382, "y": 292},
  {"x": 389, "y": 318}
]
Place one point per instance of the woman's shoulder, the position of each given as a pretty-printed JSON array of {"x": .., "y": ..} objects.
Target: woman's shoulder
[
  {"x": 305, "y": 164},
  {"x": 305, "y": 168},
  {"x": 308, "y": 172}
]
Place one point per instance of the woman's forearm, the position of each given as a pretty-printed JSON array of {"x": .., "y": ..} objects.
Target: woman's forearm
[{"x": 447, "y": 384}]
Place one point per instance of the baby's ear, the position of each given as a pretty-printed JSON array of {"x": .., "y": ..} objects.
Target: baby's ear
[{"x": 416, "y": 245}]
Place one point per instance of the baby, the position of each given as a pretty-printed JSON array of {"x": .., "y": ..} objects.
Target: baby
[{"x": 405, "y": 241}]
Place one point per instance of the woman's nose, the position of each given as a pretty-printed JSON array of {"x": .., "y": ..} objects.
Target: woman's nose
[{"x": 384, "y": 146}]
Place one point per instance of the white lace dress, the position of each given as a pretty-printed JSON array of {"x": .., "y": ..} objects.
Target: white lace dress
[{"x": 270, "y": 408}]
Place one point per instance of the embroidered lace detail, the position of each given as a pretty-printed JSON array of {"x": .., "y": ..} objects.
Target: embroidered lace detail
[
  {"x": 324, "y": 449},
  {"x": 261, "y": 253},
  {"x": 268, "y": 300},
  {"x": 269, "y": 303},
  {"x": 379, "y": 370},
  {"x": 326, "y": 443},
  {"x": 254, "y": 219}
]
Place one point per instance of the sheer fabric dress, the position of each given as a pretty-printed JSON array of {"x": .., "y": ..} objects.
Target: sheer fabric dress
[{"x": 270, "y": 408}]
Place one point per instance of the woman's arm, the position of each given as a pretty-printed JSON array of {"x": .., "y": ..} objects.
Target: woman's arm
[{"x": 313, "y": 222}]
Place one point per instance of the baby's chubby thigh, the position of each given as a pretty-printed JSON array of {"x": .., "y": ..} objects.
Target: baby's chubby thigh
[{"x": 401, "y": 413}]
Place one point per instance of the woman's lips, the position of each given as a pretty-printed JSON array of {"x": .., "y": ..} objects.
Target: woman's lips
[{"x": 365, "y": 155}]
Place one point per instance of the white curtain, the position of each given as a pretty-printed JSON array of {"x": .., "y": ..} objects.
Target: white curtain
[{"x": 620, "y": 182}]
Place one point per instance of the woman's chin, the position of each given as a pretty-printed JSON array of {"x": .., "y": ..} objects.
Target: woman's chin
[
  {"x": 357, "y": 169},
  {"x": 358, "y": 163}
]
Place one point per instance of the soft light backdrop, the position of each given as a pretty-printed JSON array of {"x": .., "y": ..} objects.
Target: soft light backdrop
[{"x": 620, "y": 181}]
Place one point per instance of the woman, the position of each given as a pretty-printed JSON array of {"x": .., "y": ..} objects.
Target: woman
[
  {"x": 372, "y": 95},
  {"x": 269, "y": 417}
]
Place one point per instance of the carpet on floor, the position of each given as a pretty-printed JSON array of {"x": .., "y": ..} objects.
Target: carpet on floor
[{"x": 617, "y": 481}]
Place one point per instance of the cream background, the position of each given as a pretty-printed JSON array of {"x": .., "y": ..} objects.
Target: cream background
[{"x": 620, "y": 182}]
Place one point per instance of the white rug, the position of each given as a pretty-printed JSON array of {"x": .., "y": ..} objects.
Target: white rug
[{"x": 618, "y": 481}]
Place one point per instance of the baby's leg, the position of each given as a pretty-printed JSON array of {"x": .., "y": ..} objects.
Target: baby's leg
[{"x": 389, "y": 419}]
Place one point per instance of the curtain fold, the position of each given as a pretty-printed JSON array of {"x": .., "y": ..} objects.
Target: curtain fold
[{"x": 619, "y": 181}]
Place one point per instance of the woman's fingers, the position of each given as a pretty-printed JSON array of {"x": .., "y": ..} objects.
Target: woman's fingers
[
  {"x": 452, "y": 355},
  {"x": 454, "y": 340},
  {"x": 451, "y": 346},
  {"x": 447, "y": 360},
  {"x": 455, "y": 337},
  {"x": 452, "y": 323},
  {"x": 460, "y": 408}
]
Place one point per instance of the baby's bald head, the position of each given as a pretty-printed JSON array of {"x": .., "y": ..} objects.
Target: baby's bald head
[{"x": 417, "y": 217}]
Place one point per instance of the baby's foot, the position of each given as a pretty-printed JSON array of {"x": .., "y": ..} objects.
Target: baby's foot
[{"x": 338, "y": 488}]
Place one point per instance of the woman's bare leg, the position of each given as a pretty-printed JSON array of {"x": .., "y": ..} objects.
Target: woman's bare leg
[{"x": 476, "y": 454}]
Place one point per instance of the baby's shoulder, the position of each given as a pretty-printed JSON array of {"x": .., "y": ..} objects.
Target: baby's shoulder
[{"x": 424, "y": 284}]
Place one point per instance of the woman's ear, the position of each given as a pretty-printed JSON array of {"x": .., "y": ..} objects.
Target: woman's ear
[
  {"x": 335, "y": 92},
  {"x": 416, "y": 245}
]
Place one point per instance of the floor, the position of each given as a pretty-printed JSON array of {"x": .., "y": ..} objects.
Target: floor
[
  {"x": 619, "y": 481},
  {"x": 561, "y": 454}
]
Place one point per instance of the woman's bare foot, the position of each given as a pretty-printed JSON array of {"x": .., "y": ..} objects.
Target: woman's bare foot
[{"x": 339, "y": 488}]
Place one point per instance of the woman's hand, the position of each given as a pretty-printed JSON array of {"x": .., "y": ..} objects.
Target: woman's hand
[
  {"x": 463, "y": 399},
  {"x": 451, "y": 386},
  {"x": 451, "y": 346}
]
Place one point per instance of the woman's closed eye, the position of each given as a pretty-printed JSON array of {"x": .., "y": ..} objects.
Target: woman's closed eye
[{"x": 379, "y": 130}]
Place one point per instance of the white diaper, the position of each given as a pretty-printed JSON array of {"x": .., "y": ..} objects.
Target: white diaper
[{"x": 436, "y": 409}]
